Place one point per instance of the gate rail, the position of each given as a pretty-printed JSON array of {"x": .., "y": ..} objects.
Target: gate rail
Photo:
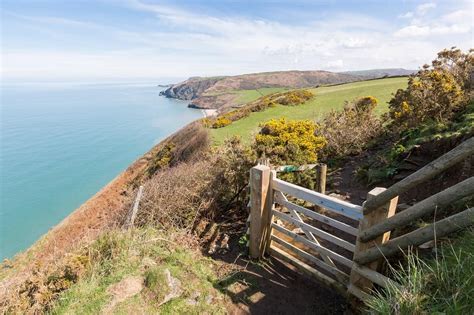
[{"x": 351, "y": 267}]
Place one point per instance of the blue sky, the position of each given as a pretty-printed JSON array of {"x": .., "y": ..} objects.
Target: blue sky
[{"x": 149, "y": 39}]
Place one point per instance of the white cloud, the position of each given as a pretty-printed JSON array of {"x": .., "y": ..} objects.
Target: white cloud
[
  {"x": 407, "y": 15},
  {"x": 447, "y": 24},
  {"x": 335, "y": 64},
  {"x": 186, "y": 43},
  {"x": 418, "y": 31},
  {"x": 422, "y": 9}
]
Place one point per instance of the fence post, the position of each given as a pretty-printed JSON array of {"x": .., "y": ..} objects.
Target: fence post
[
  {"x": 321, "y": 176},
  {"x": 260, "y": 209},
  {"x": 269, "y": 206},
  {"x": 385, "y": 211}
]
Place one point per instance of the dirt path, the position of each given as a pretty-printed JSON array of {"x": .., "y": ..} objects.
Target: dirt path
[{"x": 270, "y": 286}]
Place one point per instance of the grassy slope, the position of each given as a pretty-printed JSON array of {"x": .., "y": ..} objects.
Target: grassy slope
[
  {"x": 442, "y": 285},
  {"x": 327, "y": 98},
  {"x": 117, "y": 255},
  {"x": 246, "y": 96}
]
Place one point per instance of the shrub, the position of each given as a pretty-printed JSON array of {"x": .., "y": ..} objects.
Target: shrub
[
  {"x": 235, "y": 160},
  {"x": 38, "y": 293},
  {"x": 436, "y": 92},
  {"x": 350, "y": 130},
  {"x": 291, "y": 98},
  {"x": 289, "y": 142},
  {"x": 175, "y": 197},
  {"x": 294, "y": 97},
  {"x": 185, "y": 145},
  {"x": 221, "y": 122},
  {"x": 179, "y": 196}
]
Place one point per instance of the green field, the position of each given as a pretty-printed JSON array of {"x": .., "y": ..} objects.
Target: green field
[
  {"x": 327, "y": 98},
  {"x": 246, "y": 96}
]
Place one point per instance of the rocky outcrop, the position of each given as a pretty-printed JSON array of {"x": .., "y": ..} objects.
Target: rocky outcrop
[{"x": 189, "y": 89}]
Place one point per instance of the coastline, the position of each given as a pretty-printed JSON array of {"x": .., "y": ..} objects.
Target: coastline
[
  {"x": 105, "y": 209},
  {"x": 209, "y": 112}
]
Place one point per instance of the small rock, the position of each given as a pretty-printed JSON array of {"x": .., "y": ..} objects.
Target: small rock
[
  {"x": 174, "y": 286},
  {"x": 123, "y": 290}
]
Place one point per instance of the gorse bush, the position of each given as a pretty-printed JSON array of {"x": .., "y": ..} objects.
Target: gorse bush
[
  {"x": 350, "y": 130},
  {"x": 289, "y": 142},
  {"x": 221, "y": 122},
  {"x": 436, "y": 92},
  {"x": 291, "y": 98}
]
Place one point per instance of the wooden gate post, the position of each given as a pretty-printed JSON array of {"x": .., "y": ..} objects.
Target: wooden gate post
[
  {"x": 321, "y": 176},
  {"x": 261, "y": 202},
  {"x": 360, "y": 285}
]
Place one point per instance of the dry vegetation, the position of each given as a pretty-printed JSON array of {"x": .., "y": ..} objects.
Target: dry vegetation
[
  {"x": 188, "y": 180},
  {"x": 349, "y": 131}
]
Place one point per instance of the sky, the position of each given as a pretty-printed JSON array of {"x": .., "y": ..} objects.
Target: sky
[{"x": 56, "y": 40}]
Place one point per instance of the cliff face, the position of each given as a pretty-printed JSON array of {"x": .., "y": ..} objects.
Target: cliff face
[
  {"x": 189, "y": 89},
  {"x": 216, "y": 92}
]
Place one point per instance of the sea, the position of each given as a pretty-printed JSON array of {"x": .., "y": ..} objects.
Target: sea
[{"x": 60, "y": 143}]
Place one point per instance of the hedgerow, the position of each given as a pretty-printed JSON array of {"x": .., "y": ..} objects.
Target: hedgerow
[{"x": 292, "y": 98}]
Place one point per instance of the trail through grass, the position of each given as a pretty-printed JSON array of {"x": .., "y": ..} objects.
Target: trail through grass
[{"x": 327, "y": 98}]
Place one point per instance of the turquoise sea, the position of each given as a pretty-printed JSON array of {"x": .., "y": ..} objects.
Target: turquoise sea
[{"x": 60, "y": 143}]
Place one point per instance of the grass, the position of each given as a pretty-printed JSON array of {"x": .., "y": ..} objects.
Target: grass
[
  {"x": 246, "y": 96},
  {"x": 387, "y": 162},
  {"x": 443, "y": 285},
  {"x": 327, "y": 98},
  {"x": 146, "y": 253}
]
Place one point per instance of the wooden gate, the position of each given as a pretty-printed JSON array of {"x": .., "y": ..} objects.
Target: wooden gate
[
  {"x": 340, "y": 243},
  {"x": 314, "y": 232}
]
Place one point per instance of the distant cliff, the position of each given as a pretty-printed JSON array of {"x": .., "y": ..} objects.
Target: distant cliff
[
  {"x": 189, "y": 89},
  {"x": 216, "y": 92}
]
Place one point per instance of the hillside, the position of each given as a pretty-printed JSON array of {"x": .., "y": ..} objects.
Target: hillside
[
  {"x": 327, "y": 98},
  {"x": 382, "y": 73},
  {"x": 187, "y": 247},
  {"x": 224, "y": 92}
]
